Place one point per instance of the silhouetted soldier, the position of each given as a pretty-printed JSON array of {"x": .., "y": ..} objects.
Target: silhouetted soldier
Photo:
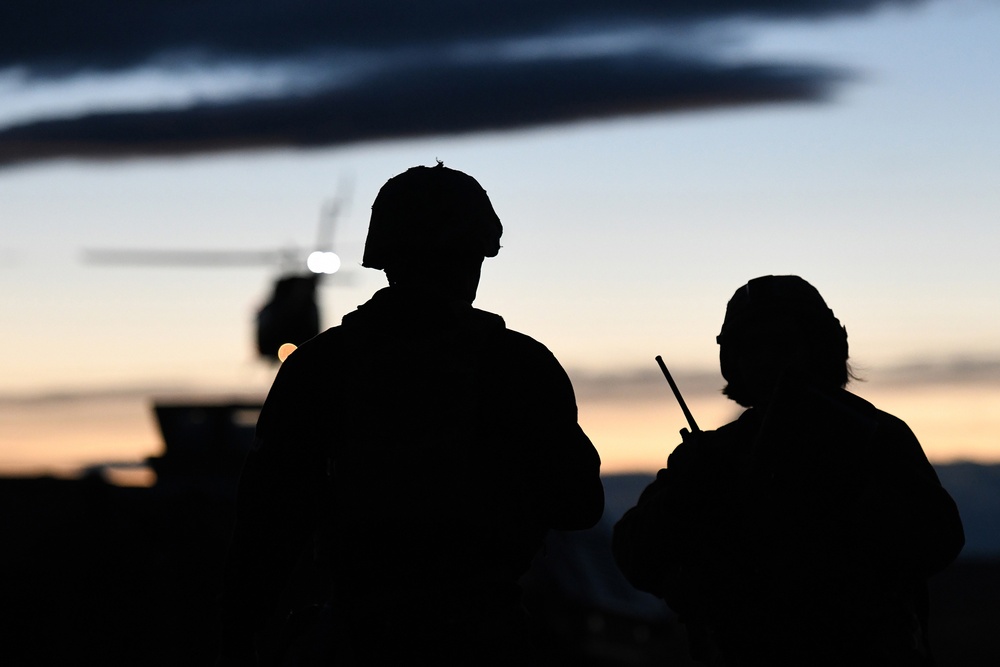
[
  {"x": 418, "y": 453},
  {"x": 803, "y": 533}
]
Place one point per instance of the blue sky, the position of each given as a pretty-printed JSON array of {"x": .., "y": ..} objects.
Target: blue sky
[{"x": 626, "y": 231}]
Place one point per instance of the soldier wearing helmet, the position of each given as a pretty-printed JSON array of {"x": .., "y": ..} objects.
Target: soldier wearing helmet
[
  {"x": 803, "y": 533},
  {"x": 419, "y": 452}
]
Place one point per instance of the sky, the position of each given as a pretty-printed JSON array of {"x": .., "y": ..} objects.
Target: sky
[{"x": 646, "y": 161}]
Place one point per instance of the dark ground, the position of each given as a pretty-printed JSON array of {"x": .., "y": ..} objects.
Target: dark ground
[{"x": 119, "y": 576}]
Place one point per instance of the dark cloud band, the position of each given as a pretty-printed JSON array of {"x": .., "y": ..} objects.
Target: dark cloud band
[
  {"x": 66, "y": 36},
  {"x": 437, "y": 92},
  {"x": 448, "y": 98}
]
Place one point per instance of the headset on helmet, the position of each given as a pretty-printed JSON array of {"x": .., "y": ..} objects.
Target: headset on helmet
[{"x": 790, "y": 298}]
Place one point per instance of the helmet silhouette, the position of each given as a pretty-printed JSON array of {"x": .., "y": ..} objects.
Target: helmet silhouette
[{"x": 430, "y": 214}]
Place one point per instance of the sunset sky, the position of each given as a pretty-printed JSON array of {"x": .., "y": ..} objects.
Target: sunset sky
[{"x": 645, "y": 161}]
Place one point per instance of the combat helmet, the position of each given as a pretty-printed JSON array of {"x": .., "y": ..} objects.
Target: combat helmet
[
  {"x": 430, "y": 214},
  {"x": 789, "y": 299}
]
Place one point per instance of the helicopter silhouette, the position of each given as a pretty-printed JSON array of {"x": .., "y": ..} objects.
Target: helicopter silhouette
[{"x": 290, "y": 316}]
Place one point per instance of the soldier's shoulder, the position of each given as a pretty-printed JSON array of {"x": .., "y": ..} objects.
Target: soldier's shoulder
[
  {"x": 885, "y": 421},
  {"x": 321, "y": 343},
  {"x": 313, "y": 354},
  {"x": 518, "y": 349},
  {"x": 522, "y": 343},
  {"x": 733, "y": 435},
  {"x": 485, "y": 321},
  {"x": 748, "y": 421}
]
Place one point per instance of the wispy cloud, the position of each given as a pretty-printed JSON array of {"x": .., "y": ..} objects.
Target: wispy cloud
[
  {"x": 618, "y": 384},
  {"x": 335, "y": 73},
  {"x": 161, "y": 391},
  {"x": 952, "y": 371},
  {"x": 943, "y": 373},
  {"x": 66, "y": 37},
  {"x": 631, "y": 384}
]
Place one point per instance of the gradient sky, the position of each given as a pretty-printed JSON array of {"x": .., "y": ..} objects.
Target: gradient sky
[{"x": 645, "y": 163}]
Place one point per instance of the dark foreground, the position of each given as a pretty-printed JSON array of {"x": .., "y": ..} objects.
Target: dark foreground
[{"x": 127, "y": 576}]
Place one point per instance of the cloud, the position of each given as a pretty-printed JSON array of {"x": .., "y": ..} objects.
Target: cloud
[
  {"x": 71, "y": 35},
  {"x": 630, "y": 385},
  {"x": 621, "y": 384},
  {"x": 385, "y": 69},
  {"x": 962, "y": 371},
  {"x": 647, "y": 383},
  {"x": 419, "y": 101}
]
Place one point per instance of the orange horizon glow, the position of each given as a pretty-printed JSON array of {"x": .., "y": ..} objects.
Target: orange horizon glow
[
  {"x": 61, "y": 438},
  {"x": 953, "y": 424}
]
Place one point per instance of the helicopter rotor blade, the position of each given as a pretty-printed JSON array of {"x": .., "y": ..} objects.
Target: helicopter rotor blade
[{"x": 189, "y": 258}]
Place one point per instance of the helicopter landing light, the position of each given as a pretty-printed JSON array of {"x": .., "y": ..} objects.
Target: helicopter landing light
[
  {"x": 285, "y": 350},
  {"x": 323, "y": 262}
]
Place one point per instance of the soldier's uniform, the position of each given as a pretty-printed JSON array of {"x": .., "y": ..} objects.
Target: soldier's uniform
[
  {"x": 803, "y": 533},
  {"x": 417, "y": 454}
]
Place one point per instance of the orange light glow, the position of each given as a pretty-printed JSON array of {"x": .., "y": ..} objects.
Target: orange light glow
[
  {"x": 131, "y": 476},
  {"x": 285, "y": 350}
]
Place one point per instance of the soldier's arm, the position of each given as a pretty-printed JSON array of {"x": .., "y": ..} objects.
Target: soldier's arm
[
  {"x": 565, "y": 467},
  {"x": 647, "y": 540},
  {"x": 275, "y": 513},
  {"x": 918, "y": 525}
]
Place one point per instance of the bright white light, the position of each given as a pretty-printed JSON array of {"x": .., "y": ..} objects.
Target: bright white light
[
  {"x": 323, "y": 262},
  {"x": 285, "y": 350}
]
